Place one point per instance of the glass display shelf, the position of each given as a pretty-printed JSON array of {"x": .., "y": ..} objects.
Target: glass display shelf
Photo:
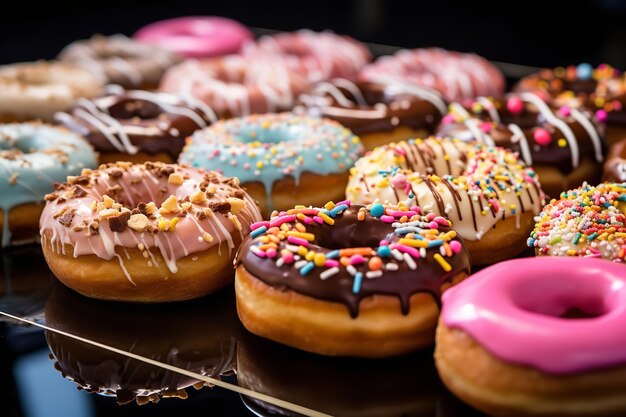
[{"x": 150, "y": 355}]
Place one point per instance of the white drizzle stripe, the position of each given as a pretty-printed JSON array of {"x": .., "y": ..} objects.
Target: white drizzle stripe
[
  {"x": 472, "y": 125},
  {"x": 491, "y": 109},
  {"x": 519, "y": 136},
  {"x": 584, "y": 121},
  {"x": 550, "y": 117}
]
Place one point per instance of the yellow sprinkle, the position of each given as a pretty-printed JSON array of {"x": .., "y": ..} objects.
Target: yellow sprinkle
[
  {"x": 501, "y": 177},
  {"x": 300, "y": 227},
  {"x": 620, "y": 234},
  {"x": 445, "y": 265},
  {"x": 571, "y": 252},
  {"x": 329, "y": 206},
  {"x": 448, "y": 235},
  {"x": 326, "y": 218},
  {"x": 173, "y": 223},
  {"x": 562, "y": 143},
  {"x": 259, "y": 164},
  {"x": 302, "y": 251},
  {"x": 414, "y": 243},
  {"x": 305, "y": 236},
  {"x": 264, "y": 239},
  {"x": 300, "y": 206},
  {"x": 162, "y": 224},
  {"x": 310, "y": 256},
  {"x": 207, "y": 237},
  {"x": 319, "y": 259}
]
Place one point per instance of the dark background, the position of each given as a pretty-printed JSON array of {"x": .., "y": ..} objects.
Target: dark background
[{"x": 536, "y": 33}]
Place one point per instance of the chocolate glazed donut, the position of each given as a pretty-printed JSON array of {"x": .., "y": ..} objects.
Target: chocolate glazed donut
[
  {"x": 345, "y": 232},
  {"x": 378, "y": 113},
  {"x": 137, "y": 126},
  {"x": 565, "y": 145},
  {"x": 615, "y": 165}
]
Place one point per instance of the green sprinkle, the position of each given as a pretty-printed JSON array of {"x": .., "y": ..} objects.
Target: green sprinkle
[
  {"x": 555, "y": 239},
  {"x": 575, "y": 240},
  {"x": 592, "y": 236}
]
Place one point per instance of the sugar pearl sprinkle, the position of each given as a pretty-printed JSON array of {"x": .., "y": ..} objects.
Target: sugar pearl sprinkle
[
  {"x": 588, "y": 221},
  {"x": 286, "y": 239}
]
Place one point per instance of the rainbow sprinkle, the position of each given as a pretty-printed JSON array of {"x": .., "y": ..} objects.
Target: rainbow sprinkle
[{"x": 588, "y": 221}]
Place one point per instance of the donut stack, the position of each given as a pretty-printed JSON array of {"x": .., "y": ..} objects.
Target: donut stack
[{"x": 353, "y": 196}]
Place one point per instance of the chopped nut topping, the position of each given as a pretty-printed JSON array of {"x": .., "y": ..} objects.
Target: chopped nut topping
[
  {"x": 198, "y": 197},
  {"x": 106, "y": 213},
  {"x": 236, "y": 204},
  {"x": 108, "y": 201},
  {"x": 235, "y": 221},
  {"x": 86, "y": 172},
  {"x": 51, "y": 197},
  {"x": 67, "y": 217},
  {"x": 138, "y": 222},
  {"x": 186, "y": 206},
  {"x": 13, "y": 178},
  {"x": 220, "y": 207},
  {"x": 207, "y": 237},
  {"x": 118, "y": 223},
  {"x": 170, "y": 205},
  {"x": 175, "y": 179}
]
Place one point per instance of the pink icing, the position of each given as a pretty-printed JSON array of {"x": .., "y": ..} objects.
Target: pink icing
[
  {"x": 514, "y": 310},
  {"x": 196, "y": 36},
  {"x": 140, "y": 185}
]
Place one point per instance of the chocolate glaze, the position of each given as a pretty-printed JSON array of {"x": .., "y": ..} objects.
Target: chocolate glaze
[
  {"x": 153, "y": 122},
  {"x": 528, "y": 120},
  {"x": 367, "y": 107},
  {"x": 346, "y": 232},
  {"x": 615, "y": 165},
  {"x": 566, "y": 87}
]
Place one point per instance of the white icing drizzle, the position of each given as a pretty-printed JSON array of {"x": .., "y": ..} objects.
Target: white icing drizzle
[
  {"x": 550, "y": 117},
  {"x": 519, "y": 136},
  {"x": 491, "y": 109},
  {"x": 472, "y": 125},
  {"x": 584, "y": 121}
]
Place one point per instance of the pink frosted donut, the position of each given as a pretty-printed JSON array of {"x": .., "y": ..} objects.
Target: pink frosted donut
[
  {"x": 319, "y": 55},
  {"x": 458, "y": 76},
  {"x": 196, "y": 36},
  {"x": 548, "y": 332},
  {"x": 236, "y": 86}
]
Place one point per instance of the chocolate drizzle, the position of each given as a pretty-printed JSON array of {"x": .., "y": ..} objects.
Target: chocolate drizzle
[{"x": 348, "y": 232}]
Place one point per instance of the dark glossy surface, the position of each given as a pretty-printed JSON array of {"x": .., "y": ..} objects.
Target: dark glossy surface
[{"x": 41, "y": 371}]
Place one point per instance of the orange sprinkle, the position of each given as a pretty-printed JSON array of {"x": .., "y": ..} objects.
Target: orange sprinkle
[
  {"x": 284, "y": 227},
  {"x": 273, "y": 230},
  {"x": 273, "y": 238},
  {"x": 446, "y": 247},
  {"x": 268, "y": 246},
  {"x": 375, "y": 263},
  {"x": 360, "y": 215},
  {"x": 355, "y": 251},
  {"x": 344, "y": 260},
  {"x": 300, "y": 227}
]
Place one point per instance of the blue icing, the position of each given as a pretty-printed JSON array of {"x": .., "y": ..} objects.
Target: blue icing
[
  {"x": 32, "y": 158},
  {"x": 268, "y": 147}
]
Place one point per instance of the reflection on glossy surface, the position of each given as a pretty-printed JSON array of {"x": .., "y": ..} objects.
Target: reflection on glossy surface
[
  {"x": 25, "y": 281},
  {"x": 401, "y": 386},
  {"x": 197, "y": 336}
]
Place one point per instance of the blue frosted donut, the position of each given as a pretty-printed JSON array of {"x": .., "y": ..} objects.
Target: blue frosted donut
[
  {"x": 308, "y": 156},
  {"x": 32, "y": 158}
]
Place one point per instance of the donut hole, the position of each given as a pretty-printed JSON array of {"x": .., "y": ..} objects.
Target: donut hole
[
  {"x": 135, "y": 108},
  {"x": 565, "y": 299},
  {"x": 272, "y": 135},
  {"x": 354, "y": 234},
  {"x": 24, "y": 144}
]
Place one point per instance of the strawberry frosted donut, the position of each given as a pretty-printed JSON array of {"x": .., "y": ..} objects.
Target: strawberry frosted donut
[
  {"x": 196, "y": 36},
  {"x": 537, "y": 337},
  {"x": 148, "y": 233},
  {"x": 456, "y": 75},
  {"x": 236, "y": 86},
  {"x": 319, "y": 55}
]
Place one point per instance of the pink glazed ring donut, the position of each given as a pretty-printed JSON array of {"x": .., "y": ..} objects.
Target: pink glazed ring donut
[
  {"x": 196, "y": 36},
  {"x": 537, "y": 336}
]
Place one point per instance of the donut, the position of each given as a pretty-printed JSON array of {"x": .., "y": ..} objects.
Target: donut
[
  {"x": 347, "y": 280},
  {"x": 33, "y": 158},
  {"x": 196, "y": 36},
  {"x": 37, "y": 90},
  {"x": 278, "y": 157},
  {"x": 615, "y": 164},
  {"x": 456, "y": 75},
  {"x": 565, "y": 146},
  {"x": 489, "y": 195},
  {"x": 201, "y": 339},
  {"x": 587, "y": 221},
  {"x": 537, "y": 337},
  {"x": 318, "y": 55},
  {"x": 136, "y": 125},
  {"x": 379, "y": 113},
  {"x": 147, "y": 233},
  {"x": 117, "y": 59},
  {"x": 293, "y": 375},
  {"x": 601, "y": 89},
  {"x": 236, "y": 86}
]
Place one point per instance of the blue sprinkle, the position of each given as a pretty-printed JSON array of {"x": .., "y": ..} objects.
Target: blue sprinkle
[
  {"x": 622, "y": 197},
  {"x": 584, "y": 71},
  {"x": 333, "y": 254},
  {"x": 383, "y": 251},
  {"x": 356, "y": 286},
  {"x": 377, "y": 210},
  {"x": 530, "y": 242},
  {"x": 337, "y": 209},
  {"x": 259, "y": 231},
  {"x": 435, "y": 243},
  {"x": 307, "y": 268}
]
